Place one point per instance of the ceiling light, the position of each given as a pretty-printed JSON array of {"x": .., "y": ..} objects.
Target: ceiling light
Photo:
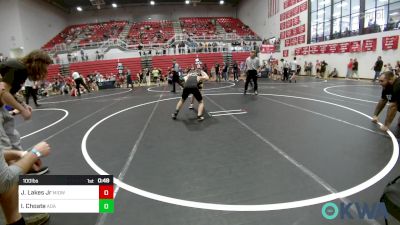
[
  {"x": 79, "y": 8},
  {"x": 152, "y": 2},
  {"x": 395, "y": 13},
  {"x": 221, "y": 2},
  {"x": 114, "y": 5},
  {"x": 149, "y": 18},
  {"x": 187, "y": 2}
]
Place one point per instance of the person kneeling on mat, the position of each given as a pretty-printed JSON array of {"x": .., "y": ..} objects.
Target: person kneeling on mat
[
  {"x": 192, "y": 81},
  {"x": 390, "y": 93}
]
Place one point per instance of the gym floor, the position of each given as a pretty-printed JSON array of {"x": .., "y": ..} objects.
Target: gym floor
[{"x": 292, "y": 142}]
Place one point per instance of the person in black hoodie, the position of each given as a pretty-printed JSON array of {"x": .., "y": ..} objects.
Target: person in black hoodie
[
  {"x": 378, "y": 68},
  {"x": 355, "y": 68},
  {"x": 225, "y": 72},
  {"x": 323, "y": 70},
  {"x": 175, "y": 75},
  {"x": 217, "y": 73},
  {"x": 235, "y": 71}
]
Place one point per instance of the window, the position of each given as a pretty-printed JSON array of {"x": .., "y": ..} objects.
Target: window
[
  {"x": 381, "y": 16},
  {"x": 313, "y": 18},
  {"x": 313, "y": 33},
  {"x": 314, "y": 5},
  {"x": 346, "y": 8},
  {"x": 324, "y": 3},
  {"x": 332, "y": 19},
  {"x": 320, "y": 30},
  {"x": 382, "y": 2},
  {"x": 346, "y": 24},
  {"x": 369, "y": 18},
  {"x": 355, "y": 6},
  {"x": 320, "y": 14},
  {"x": 394, "y": 12},
  {"x": 370, "y": 4},
  {"x": 327, "y": 31},
  {"x": 327, "y": 14},
  {"x": 393, "y": 16},
  {"x": 355, "y": 23},
  {"x": 336, "y": 27},
  {"x": 337, "y": 10}
]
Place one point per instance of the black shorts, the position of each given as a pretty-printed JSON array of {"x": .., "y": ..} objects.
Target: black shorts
[{"x": 194, "y": 91}]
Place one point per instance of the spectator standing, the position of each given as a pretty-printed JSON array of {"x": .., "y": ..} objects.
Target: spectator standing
[
  {"x": 378, "y": 68},
  {"x": 349, "y": 69},
  {"x": 252, "y": 69},
  {"x": 355, "y": 68}
]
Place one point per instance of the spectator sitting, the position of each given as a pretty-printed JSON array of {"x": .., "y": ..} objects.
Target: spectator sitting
[
  {"x": 14, "y": 163},
  {"x": 334, "y": 73}
]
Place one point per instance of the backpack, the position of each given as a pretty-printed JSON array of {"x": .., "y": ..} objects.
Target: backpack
[{"x": 391, "y": 198}]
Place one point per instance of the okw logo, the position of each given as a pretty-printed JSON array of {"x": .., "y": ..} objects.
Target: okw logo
[{"x": 331, "y": 211}]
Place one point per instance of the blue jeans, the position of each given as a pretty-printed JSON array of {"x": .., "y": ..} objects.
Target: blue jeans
[
  {"x": 377, "y": 73},
  {"x": 225, "y": 75}
]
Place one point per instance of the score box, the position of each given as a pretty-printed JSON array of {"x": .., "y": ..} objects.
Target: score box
[
  {"x": 66, "y": 194},
  {"x": 106, "y": 199}
]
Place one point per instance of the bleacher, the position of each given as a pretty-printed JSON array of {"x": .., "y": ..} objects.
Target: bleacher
[
  {"x": 150, "y": 31},
  {"x": 102, "y": 31},
  {"x": 240, "y": 56},
  {"x": 106, "y": 66},
  {"x": 92, "y": 33},
  {"x": 233, "y": 25},
  {"x": 68, "y": 35},
  {"x": 198, "y": 26},
  {"x": 52, "y": 71},
  {"x": 146, "y": 32},
  {"x": 186, "y": 61}
]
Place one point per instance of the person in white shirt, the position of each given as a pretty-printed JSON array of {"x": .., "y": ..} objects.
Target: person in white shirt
[
  {"x": 252, "y": 69},
  {"x": 286, "y": 70},
  {"x": 78, "y": 82},
  {"x": 293, "y": 70}
]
